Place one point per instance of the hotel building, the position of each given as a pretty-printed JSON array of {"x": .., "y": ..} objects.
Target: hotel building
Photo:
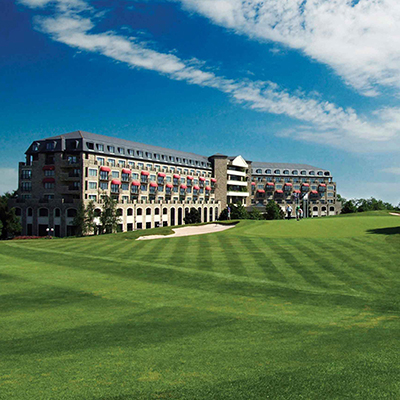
[{"x": 153, "y": 186}]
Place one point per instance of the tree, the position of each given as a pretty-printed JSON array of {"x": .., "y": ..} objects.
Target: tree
[
  {"x": 237, "y": 212},
  {"x": 1, "y": 228},
  {"x": 255, "y": 214},
  {"x": 79, "y": 220},
  {"x": 90, "y": 216},
  {"x": 10, "y": 222},
  {"x": 273, "y": 211},
  {"x": 193, "y": 217},
  {"x": 109, "y": 219},
  {"x": 349, "y": 207}
]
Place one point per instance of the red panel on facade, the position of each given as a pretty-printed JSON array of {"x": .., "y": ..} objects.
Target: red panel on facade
[
  {"x": 314, "y": 191},
  {"x": 202, "y": 179},
  {"x": 208, "y": 188},
  {"x": 106, "y": 169},
  {"x": 176, "y": 176},
  {"x": 213, "y": 180},
  {"x": 48, "y": 168},
  {"x": 190, "y": 178},
  {"x": 126, "y": 171},
  {"x": 296, "y": 191},
  {"x": 279, "y": 191},
  {"x": 195, "y": 187},
  {"x": 135, "y": 183},
  {"x": 115, "y": 182},
  {"x": 153, "y": 184},
  {"x": 306, "y": 184},
  {"x": 270, "y": 184},
  {"x": 322, "y": 184},
  {"x": 253, "y": 184},
  {"x": 261, "y": 191},
  {"x": 145, "y": 173},
  {"x": 183, "y": 187},
  {"x": 169, "y": 185},
  {"x": 161, "y": 174},
  {"x": 288, "y": 184},
  {"x": 49, "y": 180}
]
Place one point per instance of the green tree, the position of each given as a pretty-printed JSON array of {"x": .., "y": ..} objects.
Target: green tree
[
  {"x": 109, "y": 218},
  {"x": 80, "y": 220},
  {"x": 90, "y": 216},
  {"x": 193, "y": 217},
  {"x": 10, "y": 222},
  {"x": 273, "y": 211},
  {"x": 255, "y": 214},
  {"x": 349, "y": 207},
  {"x": 1, "y": 228}
]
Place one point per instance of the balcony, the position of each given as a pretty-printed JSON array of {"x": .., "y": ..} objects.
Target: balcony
[
  {"x": 237, "y": 183},
  {"x": 238, "y": 194},
  {"x": 236, "y": 173}
]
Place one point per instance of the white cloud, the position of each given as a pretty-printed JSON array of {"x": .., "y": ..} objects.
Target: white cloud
[
  {"x": 359, "y": 40},
  {"x": 325, "y": 122},
  {"x": 9, "y": 180},
  {"x": 392, "y": 170},
  {"x": 387, "y": 191}
]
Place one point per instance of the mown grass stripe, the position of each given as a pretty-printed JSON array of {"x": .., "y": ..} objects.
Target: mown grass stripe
[{"x": 231, "y": 255}]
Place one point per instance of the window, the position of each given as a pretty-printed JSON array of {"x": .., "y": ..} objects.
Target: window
[
  {"x": 29, "y": 212},
  {"x": 111, "y": 149},
  {"x": 285, "y": 172},
  {"x": 258, "y": 171},
  {"x": 100, "y": 160},
  {"x": 330, "y": 194},
  {"x": 26, "y": 174},
  {"x": 92, "y": 197},
  {"x": 92, "y": 185},
  {"x": 48, "y": 185},
  {"x": 277, "y": 171},
  {"x": 104, "y": 185},
  {"x": 43, "y": 212},
  {"x": 135, "y": 176},
  {"x": 140, "y": 165},
  {"x": 295, "y": 172},
  {"x": 139, "y": 211},
  {"x": 26, "y": 186},
  {"x": 139, "y": 153},
  {"x": 320, "y": 173},
  {"x": 143, "y": 187},
  {"x": 148, "y": 211},
  {"x": 111, "y": 161},
  {"x": 135, "y": 189},
  {"x": 115, "y": 174},
  {"x": 121, "y": 150},
  {"x": 49, "y": 172},
  {"x": 121, "y": 163},
  {"x": 57, "y": 212},
  {"x": 131, "y": 164},
  {"x": 268, "y": 171},
  {"x": 36, "y": 146},
  {"x": 72, "y": 159},
  {"x": 104, "y": 175},
  {"x": 114, "y": 188},
  {"x": 125, "y": 186},
  {"x": 303, "y": 173},
  {"x": 100, "y": 147},
  {"x": 92, "y": 172},
  {"x": 90, "y": 145},
  {"x": 311, "y": 173},
  {"x": 50, "y": 146},
  {"x": 71, "y": 213}
]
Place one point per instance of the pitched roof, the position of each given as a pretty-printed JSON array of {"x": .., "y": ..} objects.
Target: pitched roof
[{"x": 273, "y": 166}]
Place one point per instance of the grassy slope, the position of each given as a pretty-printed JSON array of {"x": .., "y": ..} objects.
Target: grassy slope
[{"x": 280, "y": 310}]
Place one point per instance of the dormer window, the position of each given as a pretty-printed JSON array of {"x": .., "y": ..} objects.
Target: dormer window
[
  {"x": 148, "y": 155},
  {"x": 121, "y": 150},
  {"x": 156, "y": 156},
  {"x": 50, "y": 146},
  {"x": 111, "y": 149},
  {"x": 258, "y": 171},
  {"x": 295, "y": 172},
  {"x": 277, "y": 171},
  {"x": 286, "y": 172},
  {"x": 131, "y": 152},
  {"x": 320, "y": 173},
  {"x": 100, "y": 147},
  {"x": 139, "y": 153},
  {"x": 303, "y": 172},
  {"x": 268, "y": 171},
  {"x": 90, "y": 145},
  {"x": 36, "y": 146},
  {"x": 311, "y": 173}
]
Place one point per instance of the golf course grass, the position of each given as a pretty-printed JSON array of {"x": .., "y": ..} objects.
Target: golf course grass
[{"x": 265, "y": 310}]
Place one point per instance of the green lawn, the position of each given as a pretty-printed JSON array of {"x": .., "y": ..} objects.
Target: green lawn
[{"x": 265, "y": 310}]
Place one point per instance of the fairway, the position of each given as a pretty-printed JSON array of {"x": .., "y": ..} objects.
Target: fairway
[{"x": 266, "y": 310}]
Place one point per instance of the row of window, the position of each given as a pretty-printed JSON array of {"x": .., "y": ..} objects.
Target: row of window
[
  {"x": 287, "y": 172},
  {"x": 135, "y": 197},
  {"x": 295, "y": 187},
  {"x": 147, "y": 154},
  {"x": 294, "y": 180}
]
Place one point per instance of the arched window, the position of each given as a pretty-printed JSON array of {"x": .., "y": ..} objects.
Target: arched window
[
  {"x": 315, "y": 208},
  {"x": 323, "y": 209},
  {"x": 277, "y": 171},
  {"x": 320, "y": 173},
  {"x": 331, "y": 208},
  {"x": 29, "y": 212},
  {"x": 71, "y": 213},
  {"x": 258, "y": 171},
  {"x": 268, "y": 171},
  {"x": 286, "y": 172},
  {"x": 129, "y": 211},
  {"x": 97, "y": 212},
  {"x": 327, "y": 173},
  {"x": 43, "y": 212},
  {"x": 157, "y": 211},
  {"x": 311, "y": 173},
  {"x": 303, "y": 172},
  {"x": 148, "y": 211},
  {"x": 295, "y": 172},
  {"x": 120, "y": 212},
  {"x": 139, "y": 211},
  {"x": 18, "y": 211},
  {"x": 165, "y": 211},
  {"x": 57, "y": 213}
]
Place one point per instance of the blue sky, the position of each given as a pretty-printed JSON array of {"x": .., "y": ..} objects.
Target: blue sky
[{"x": 312, "y": 82}]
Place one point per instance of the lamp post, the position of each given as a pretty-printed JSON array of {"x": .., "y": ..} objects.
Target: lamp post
[{"x": 50, "y": 232}]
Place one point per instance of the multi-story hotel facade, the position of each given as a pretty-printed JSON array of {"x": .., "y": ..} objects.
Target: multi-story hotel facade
[{"x": 153, "y": 186}]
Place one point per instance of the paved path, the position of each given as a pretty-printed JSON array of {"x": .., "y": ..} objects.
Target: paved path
[{"x": 190, "y": 231}]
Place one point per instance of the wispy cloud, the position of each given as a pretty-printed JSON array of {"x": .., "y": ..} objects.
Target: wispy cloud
[
  {"x": 359, "y": 40},
  {"x": 72, "y": 23},
  {"x": 392, "y": 170}
]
